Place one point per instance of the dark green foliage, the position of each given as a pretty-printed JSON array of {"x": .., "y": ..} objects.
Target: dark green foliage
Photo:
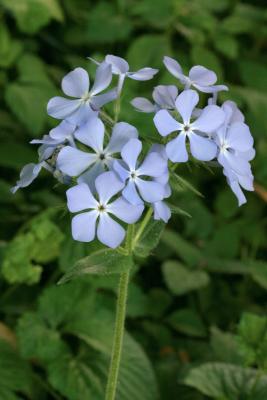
[{"x": 196, "y": 316}]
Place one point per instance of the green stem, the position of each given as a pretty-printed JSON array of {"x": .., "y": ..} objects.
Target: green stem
[
  {"x": 142, "y": 226},
  {"x": 119, "y": 324}
]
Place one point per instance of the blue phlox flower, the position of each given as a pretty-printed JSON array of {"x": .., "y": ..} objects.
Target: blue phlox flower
[
  {"x": 94, "y": 212},
  {"x": 235, "y": 144},
  {"x": 164, "y": 98},
  {"x": 139, "y": 179},
  {"x": 87, "y": 165},
  {"x": 198, "y": 131},
  {"x": 76, "y": 84},
  {"x": 121, "y": 68},
  {"x": 199, "y": 77},
  {"x": 27, "y": 175}
]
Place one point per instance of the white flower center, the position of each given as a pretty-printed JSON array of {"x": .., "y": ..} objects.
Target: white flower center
[
  {"x": 224, "y": 147},
  {"x": 101, "y": 208},
  {"x": 187, "y": 129},
  {"x": 86, "y": 97},
  {"x": 133, "y": 175}
]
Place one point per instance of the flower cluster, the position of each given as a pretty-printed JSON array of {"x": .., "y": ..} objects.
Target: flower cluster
[{"x": 104, "y": 164}]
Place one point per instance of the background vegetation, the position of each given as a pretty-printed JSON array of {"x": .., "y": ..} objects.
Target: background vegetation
[{"x": 196, "y": 319}]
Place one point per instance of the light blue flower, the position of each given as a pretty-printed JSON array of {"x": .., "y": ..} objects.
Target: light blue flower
[
  {"x": 135, "y": 175},
  {"x": 94, "y": 213},
  {"x": 199, "y": 77},
  {"x": 121, "y": 68},
  {"x": 88, "y": 101},
  {"x": 197, "y": 131},
  {"x": 235, "y": 144},
  {"x": 27, "y": 175},
  {"x": 164, "y": 98},
  {"x": 88, "y": 165}
]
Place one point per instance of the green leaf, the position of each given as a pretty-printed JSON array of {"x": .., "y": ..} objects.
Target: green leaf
[
  {"x": 190, "y": 254},
  {"x": 226, "y": 381},
  {"x": 180, "y": 184},
  {"x": 253, "y": 74},
  {"x": 252, "y": 339},
  {"x": 180, "y": 280},
  {"x": 9, "y": 48},
  {"x": 224, "y": 347},
  {"x": 148, "y": 50},
  {"x": 14, "y": 155},
  {"x": 15, "y": 373},
  {"x": 149, "y": 238},
  {"x": 188, "y": 322},
  {"x": 102, "y": 262},
  {"x": 226, "y": 45},
  {"x": 202, "y": 56},
  {"x": 154, "y": 12},
  {"x": 32, "y": 15}
]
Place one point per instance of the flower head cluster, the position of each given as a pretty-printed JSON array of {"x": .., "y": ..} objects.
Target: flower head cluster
[{"x": 111, "y": 179}]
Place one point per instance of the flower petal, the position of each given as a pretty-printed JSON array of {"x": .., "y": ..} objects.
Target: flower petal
[
  {"x": 161, "y": 211},
  {"x": 210, "y": 119},
  {"x": 150, "y": 191},
  {"x": 165, "y": 123},
  {"x": 91, "y": 174},
  {"x": 176, "y": 149},
  {"x": 107, "y": 185},
  {"x": 118, "y": 64},
  {"x": 80, "y": 198},
  {"x": 122, "y": 132},
  {"x": 82, "y": 115},
  {"x": 92, "y": 134},
  {"x": 122, "y": 172},
  {"x": 83, "y": 226},
  {"x": 153, "y": 165},
  {"x": 76, "y": 83},
  {"x": 202, "y": 149},
  {"x": 73, "y": 162},
  {"x": 142, "y": 104},
  {"x": 239, "y": 137},
  {"x": 202, "y": 76},
  {"x": 102, "y": 78},
  {"x": 234, "y": 162},
  {"x": 61, "y": 108},
  {"x": 165, "y": 95},
  {"x": 143, "y": 74},
  {"x": 62, "y": 131},
  {"x": 174, "y": 67},
  {"x": 109, "y": 232},
  {"x": 130, "y": 193},
  {"x": 210, "y": 89},
  {"x": 125, "y": 211},
  {"x": 185, "y": 104},
  {"x": 27, "y": 175},
  {"x": 98, "y": 101},
  {"x": 130, "y": 152}
]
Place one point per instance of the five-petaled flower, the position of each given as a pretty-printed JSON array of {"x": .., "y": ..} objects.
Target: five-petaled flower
[
  {"x": 164, "y": 97},
  {"x": 198, "y": 131},
  {"x": 94, "y": 213}
]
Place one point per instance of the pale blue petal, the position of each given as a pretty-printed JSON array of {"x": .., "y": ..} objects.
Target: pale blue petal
[
  {"x": 63, "y": 131},
  {"x": 210, "y": 89},
  {"x": 60, "y": 108},
  {"x": 176, "y": 149},
  {"x": 174, "y": 68},
  {"x": 98, "y": 101},
  {"x": 202, "y": 76},
  {"x": 45, "y": 140},
  {"x": 92, "y": 134},
  {"x": 122, "y": 172},
  {"x": 130, "y": 193},
  {"x": 102, "y": 78},
  {"x": 109, "y": 232},
  {"x": 73, "y": 162},
  {"x": 150, "y": 191},
  {"x": 160, "y": 149},
  {"x": 45, "y": 151},
  {"x": 80, "y": 198},
  {"x": 76, "y": 83},
  {"x": 185, "y": 104},
  {"x": 83, "y": 114},
  {"x": 91, "y": 174},
  {"x": 143, "y": 74},
  {"x": 210, "y": 119},
  {"x": 234, "y": 162},
  {"x": 202, "y": 149},
  {"x": 153, "y": 165},
  {"x": 118, "y": 64},
  {"x": 165, "y": 95},
  {"x": 107, "y": 185},
  {"x": 83, "y": 226},
  {"x": 161, "y": 211},
  {"x": 130, "y": 152},
  {"x": 165, "y": 123},
  {"x": 236, "y": 115},
  {"x": 125, "y": 211},
  {"x": 27, "y": 175},
  {"x": 239, "y": 137},
  {"x": 122, "y": 132},
  {"x": 144, "y": 105}
]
